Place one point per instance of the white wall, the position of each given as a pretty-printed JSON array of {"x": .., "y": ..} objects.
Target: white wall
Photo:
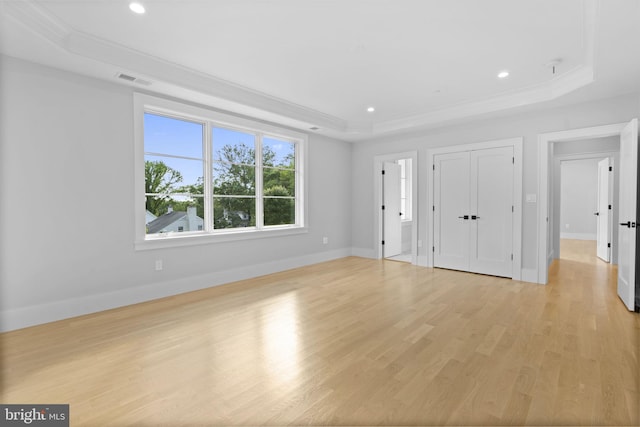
[
  {"x": 407, "y": 227},
  {"x": 527, "y": 124},
  {"x": 67, "y": 214},
  {"x": 578, "y": 194}
]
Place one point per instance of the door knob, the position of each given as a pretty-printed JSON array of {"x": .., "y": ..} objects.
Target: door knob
[
  {"x": 475, "y": 217},
  {"x": 464, "y": 217},
  {"x": 597, "y": 213},
  {"x": 627, "y": 224}
]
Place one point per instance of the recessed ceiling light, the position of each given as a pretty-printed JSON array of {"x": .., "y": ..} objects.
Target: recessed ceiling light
[
  {"x": 503, "y": 74},
  {"x": 136, "y": 7},
  {"x": 371, "y": 109}
]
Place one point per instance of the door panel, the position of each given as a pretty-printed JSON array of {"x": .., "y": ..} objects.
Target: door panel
[
  {"x": 627, "y": 213},
  {"x": 392, "y": 221},
  {"x": 491, "y": 204},
  {"x": 451, "y": 196},
  {"x": 603, "y": 219}
]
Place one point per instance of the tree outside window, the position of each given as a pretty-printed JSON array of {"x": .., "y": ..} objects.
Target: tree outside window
[{"x": 253, "y": 177}]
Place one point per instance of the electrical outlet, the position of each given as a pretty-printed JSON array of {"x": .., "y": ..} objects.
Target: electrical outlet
[
  {"x": 158, "y": 264},
  {"x": 325, "y": 240}
]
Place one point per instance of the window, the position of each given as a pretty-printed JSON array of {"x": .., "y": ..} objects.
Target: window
[
  {"x": 210, "y": 174},
  {"x": 405, "y": 189}
]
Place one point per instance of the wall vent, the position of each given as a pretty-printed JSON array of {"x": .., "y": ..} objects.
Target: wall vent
[{"x": 133, "y": 79}]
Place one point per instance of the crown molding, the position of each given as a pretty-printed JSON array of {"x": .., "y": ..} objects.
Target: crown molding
[
  {"x": 558, "y": 86},
  {"x": 154, "y": 69},
  {"x": 561, "y": 85},
  {"x": 36, "y": 19},
  {"x": 220, "y": 93}
]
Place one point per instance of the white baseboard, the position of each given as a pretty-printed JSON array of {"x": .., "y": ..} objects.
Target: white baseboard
[
  {"x": 578, "y": 236},
  {"x": 529, "y": 275},
  {"x": 58, "y": 310},
  {"x": 364, "y": 253},
  {"x": 423, "y": 260}
]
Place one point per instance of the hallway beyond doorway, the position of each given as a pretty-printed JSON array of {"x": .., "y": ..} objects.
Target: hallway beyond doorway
[{"x": 583, "y": 251}]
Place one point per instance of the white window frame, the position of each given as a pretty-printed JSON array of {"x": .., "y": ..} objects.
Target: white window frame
[{"x": 143, "y": 103}]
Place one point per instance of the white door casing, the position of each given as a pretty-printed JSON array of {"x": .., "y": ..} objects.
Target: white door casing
[
  {"x": 627, "y": 213},
  {"x": 603, "y": 210},
  {"x": 392, "y": 225}
]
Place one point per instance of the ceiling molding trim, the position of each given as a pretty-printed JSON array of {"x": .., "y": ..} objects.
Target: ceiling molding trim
[
  {"x": 41, "y": 22},
  {"x": 37, "y": 20},
  {"x": 242, "y": 100},
  {"x": 155, "y": 69},
  {"x": 563, "y": 84}
]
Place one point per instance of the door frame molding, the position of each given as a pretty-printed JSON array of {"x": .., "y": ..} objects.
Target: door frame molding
[
  {"x": 516, "y": 143},
  {"x": 544, "y": 160},
  {"x": 378, "y": 162}
]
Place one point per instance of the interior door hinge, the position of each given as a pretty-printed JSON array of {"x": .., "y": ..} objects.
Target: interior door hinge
[
  {"x": 434, "y": 208},
  {"x": 512, "y": 208},
  {"x": 383, "y": 172},
  {"x": 513, "y": 160},
  {"x": 383, "y": 242},
  {"x": 511, "y": 257},
  {"x": 382, "y": 207},
  {"x": 610, "y": 168},
  {"x": 609, "y": 207},
  {"x": 608, "y": 245},
  {"x": 433, "y": 248}
]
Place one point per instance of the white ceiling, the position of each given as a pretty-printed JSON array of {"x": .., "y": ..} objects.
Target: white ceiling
[{"x": 305, "y": 63}]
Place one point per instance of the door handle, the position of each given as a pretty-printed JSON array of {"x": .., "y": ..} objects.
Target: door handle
[
  {"x": 627, "y": 224},
  {"x": 475, "y": 217},
  {"x": 464, "y": 217},
  {"x": 597, "y": 213}
]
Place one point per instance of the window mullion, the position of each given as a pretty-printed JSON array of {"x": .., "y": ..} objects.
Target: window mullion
[
  {"x": 207, "y": 153},
  {"x": 259, "y": 183}
]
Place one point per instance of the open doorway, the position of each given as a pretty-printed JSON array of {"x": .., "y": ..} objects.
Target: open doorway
[
  {"x": 626, "y": 204},
  {"x": 395, "y": 206},
  {"x": 397, "y": 219},
  {"x": 584, "y": 204}
]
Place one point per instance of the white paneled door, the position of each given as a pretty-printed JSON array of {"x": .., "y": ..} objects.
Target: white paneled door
[
  {"x": 627, "y": 214},
  {"x": 473, "y": 211},
  {"x": 451, "y": 211},
  {"x": 603, "y": 212},
  {"x": 392, "y": 224}
]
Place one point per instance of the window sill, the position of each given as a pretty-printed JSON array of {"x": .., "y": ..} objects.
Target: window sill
[{"x": 176, "y": 239}]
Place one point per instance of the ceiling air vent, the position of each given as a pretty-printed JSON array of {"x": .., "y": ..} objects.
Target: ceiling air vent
[{"x": 133, "y": 79}]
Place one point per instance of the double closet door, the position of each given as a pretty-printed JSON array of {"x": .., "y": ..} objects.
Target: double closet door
[{"x": 473, "y": 211}]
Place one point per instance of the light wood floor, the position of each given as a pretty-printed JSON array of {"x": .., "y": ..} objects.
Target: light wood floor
[{"x": 348, "y": 342}]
